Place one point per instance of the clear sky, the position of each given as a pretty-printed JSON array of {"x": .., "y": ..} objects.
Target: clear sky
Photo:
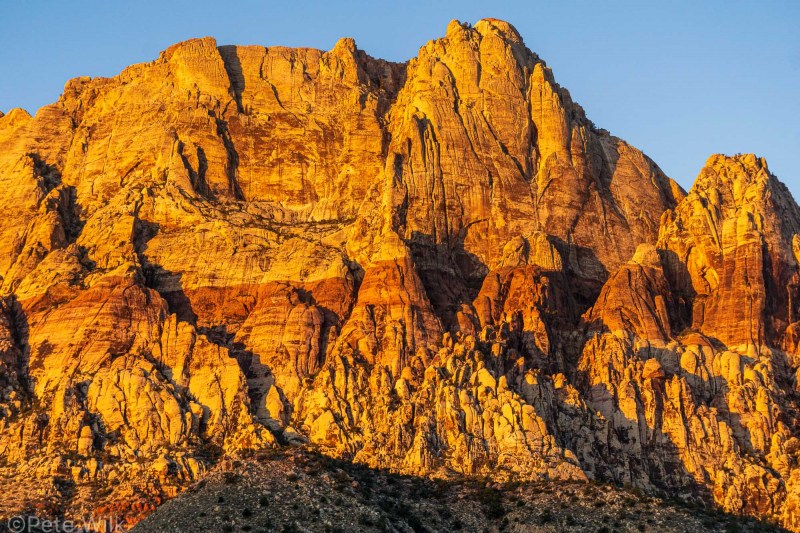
[{"x": 680, "y": 80}]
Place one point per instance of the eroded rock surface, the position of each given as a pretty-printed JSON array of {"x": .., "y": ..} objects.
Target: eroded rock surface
[{"x": 440, "y": 268}]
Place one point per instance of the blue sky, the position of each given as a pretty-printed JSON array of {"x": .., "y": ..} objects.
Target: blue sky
[{"x": 680, "y": 80}]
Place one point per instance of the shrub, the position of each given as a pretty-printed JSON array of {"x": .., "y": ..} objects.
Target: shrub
[{"x": 492, "y": 502}]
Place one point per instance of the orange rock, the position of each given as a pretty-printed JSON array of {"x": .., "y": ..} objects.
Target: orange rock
[{"x": 441, "y": 265}]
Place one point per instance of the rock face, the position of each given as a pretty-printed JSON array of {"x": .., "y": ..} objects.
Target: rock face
[{"x": 440, "y": 268}]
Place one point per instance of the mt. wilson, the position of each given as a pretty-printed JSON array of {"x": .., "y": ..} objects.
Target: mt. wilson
[{"x": 441, "y": 268}]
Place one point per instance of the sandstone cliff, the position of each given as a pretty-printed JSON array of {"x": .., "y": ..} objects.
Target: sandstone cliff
[{"x": 440, "y": 267}]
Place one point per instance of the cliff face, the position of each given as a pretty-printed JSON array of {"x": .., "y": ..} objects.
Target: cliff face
[{"x": 435, "y": 267}]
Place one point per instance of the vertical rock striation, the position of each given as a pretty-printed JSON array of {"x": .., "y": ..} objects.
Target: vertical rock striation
[{"x": 441, "y": 268}]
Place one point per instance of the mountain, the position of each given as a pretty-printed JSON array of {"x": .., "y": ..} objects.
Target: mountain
[{"x": 440, "y": 268}]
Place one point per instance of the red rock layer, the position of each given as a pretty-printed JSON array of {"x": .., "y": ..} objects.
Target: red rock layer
[{"x": 434, "y": 267}]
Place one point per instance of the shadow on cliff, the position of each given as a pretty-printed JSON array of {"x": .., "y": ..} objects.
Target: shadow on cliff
[
  {"x": 15, "y": 362},
  {"x": 233, "y": 67},
  {"x": 634, "y": 452},
  {"x": 197, "y": 176},
  {"x": 452, "y": 276},
  {"x": 585, "y": 273},
  {"x": 169, "y": 286},
  {"x": 661, "y": 462},
  {"x": 166, "y": 283},
  {"x": 48, "y": 178}
]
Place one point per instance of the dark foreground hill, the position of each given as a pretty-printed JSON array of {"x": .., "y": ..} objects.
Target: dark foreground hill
[{"x": 300, "y": 491}]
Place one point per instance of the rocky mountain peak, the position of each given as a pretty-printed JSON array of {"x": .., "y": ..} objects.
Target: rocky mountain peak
[
  {"x": 439, "y": 267},
  {"x": 345, "y": 45},
  {"x": 487, "y": 28},
  {"x": 734, "y": 181},
  {"x": 736, "y": 225},
  {"x": 14, "y": 118}
]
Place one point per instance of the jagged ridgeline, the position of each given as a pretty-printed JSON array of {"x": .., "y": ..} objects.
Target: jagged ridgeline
[{"x": 439, "y": 268}]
